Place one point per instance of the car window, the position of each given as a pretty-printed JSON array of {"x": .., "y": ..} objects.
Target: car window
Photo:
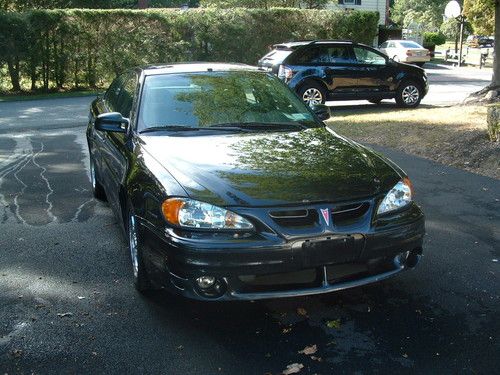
[
  {"x": 410, "y": 44},
  {"x": 111, "y": 96},
  {"x": 210, "y": 98},
  {"x": 391, "y": 45},
  {"x": 366, "y": 56},
  {"x": 277, "y": 55},
  {"x": 126, "y": 94},
  {"x": 324, "y": 54},
  {"x": 384, "y": 45}
]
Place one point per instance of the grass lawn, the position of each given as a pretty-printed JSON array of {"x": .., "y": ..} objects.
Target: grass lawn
[{"x": 453, "y": 136}]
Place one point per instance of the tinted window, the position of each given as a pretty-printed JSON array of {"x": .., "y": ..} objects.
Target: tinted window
[
  {"x": 126, "y": 95},
  {"x": 111, "y": 96},
  {"x": 324, "y": 54},
  {"x": 277, "y": 55},
  {"x": 204, "y": 99},
  {"x": 366, "y": 56}
]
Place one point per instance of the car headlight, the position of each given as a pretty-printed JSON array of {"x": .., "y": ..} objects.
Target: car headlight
[
  {"x": 189, "y": 213},
  {"x": 399, "y": 196}
]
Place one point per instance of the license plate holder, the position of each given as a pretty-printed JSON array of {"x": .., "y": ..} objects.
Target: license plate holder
[{"x": 336, "y": 250}]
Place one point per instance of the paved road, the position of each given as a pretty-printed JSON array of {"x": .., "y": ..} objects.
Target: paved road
[{"x": 68, "y": 306}]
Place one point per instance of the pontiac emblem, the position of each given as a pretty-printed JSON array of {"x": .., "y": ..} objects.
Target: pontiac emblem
[{"x": 326, "y": 215}]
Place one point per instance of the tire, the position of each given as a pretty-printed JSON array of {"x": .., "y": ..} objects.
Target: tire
[
  {"x": 375, "y": 101},
  {"x": 312, "y": 93},
  {"x": 97, "y": 189},
  {"x": 141, "y": 278},
  {"x": 409, "y": 94}
]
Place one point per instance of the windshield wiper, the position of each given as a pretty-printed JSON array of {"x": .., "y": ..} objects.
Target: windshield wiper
[
  {"x": 261, "y": 125},
  {"x": 169, "y": 127}
]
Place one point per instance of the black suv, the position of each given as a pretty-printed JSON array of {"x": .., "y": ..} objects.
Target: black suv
[{"x": 343, "y": 70}]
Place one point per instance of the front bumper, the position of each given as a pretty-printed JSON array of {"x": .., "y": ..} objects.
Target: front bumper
[{"x": 274, "y": 266}]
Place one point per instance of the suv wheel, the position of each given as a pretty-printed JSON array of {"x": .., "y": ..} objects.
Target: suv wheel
[
  {"x": 408, "y": 95},
  {"x": 312, "y": 93}
]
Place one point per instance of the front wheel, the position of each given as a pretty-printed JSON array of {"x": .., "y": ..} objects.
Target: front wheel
[
  {"x": 141, "y": 279},
  {"x": 408, "y": 95},
  {"x": 312, "y": 93}
]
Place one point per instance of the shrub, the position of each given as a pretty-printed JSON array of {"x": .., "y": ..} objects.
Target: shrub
[
  {"x": 432, "y": 39},
  {"x": 76, "y": 47}
]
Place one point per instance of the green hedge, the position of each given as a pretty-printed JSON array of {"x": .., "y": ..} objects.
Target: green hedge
[{"x": 77, "y": 48}]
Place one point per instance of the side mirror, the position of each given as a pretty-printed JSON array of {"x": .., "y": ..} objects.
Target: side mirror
[
  {"x": 322, "y": 111},
  {"x": 112, "y": 122}
]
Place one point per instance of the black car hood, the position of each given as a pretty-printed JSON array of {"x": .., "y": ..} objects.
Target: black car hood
[{"x": 271, "y": 168}]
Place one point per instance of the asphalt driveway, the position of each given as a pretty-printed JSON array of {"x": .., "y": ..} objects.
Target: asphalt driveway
[{"x": 68, "y": 305}]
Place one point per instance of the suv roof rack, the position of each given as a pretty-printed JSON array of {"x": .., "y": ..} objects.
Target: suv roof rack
[{"x": 332, "y": 40}]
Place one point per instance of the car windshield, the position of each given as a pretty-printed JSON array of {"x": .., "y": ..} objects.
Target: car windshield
[
  {"x": 410, "y": 45},
  {"x": 232, "y": 98}
]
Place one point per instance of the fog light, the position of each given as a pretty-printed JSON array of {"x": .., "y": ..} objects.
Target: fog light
[{"x": 205, "y": 282}]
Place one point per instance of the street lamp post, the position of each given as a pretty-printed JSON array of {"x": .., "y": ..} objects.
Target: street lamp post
[
  {"x": 453, "y": 10},
  {"x": 461, "y": 18}
]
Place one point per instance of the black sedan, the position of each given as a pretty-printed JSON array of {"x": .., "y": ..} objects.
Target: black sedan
[{"x": 229, "y": 187}]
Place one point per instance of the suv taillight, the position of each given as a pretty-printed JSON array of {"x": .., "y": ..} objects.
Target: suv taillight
[{"x": 285, "y": 72}]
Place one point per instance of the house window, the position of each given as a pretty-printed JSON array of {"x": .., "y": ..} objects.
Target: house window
[{"x": 350, "y": 2}]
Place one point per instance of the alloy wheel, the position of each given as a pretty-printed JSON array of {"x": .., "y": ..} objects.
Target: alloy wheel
[
  {"x": 410, "y": 95},
  {"x": 312, "y": 96}
]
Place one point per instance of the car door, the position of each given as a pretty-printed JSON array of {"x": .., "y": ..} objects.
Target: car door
[
  {"x": 374, "y": 73},
  {"x": 330, "y": 63},
  {"x": 114, "y": 148}
]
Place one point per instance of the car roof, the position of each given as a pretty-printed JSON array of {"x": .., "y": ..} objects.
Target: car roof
[
  {"x": 299, "y": 43},
  {"x": 196, "y": 67}
]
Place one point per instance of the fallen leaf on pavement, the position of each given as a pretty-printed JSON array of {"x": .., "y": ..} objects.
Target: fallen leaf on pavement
[
  {"x": 308, "y": 350},
  {"x": 293, "y": 368},
  {"x": 314, "y": 358},
  {"x": 16, "y": 353},
  {"x": 333, "y": 323},
  {"x": 301, "y": 311}
]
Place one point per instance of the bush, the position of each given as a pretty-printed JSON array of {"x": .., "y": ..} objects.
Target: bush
[
  {"x": 76, "y": 47},
  {"x": 432, "y": 39}
]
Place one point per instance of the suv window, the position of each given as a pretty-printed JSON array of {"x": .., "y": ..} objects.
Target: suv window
[
  {"x": 323, "y": 54},
  {"x": 365, "y": 56}
]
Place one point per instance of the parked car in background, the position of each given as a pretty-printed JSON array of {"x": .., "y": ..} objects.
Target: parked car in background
[
  {"x": 343, "y": 70},
  {"x": 478, "y": 41},
  {"x": 406, "y": 51},
  {"x": 228, "y": 187}
]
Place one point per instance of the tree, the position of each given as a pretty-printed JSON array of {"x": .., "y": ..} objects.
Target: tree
[
  {"x": 484, "y": 15},
  {"x": 427, "y": 12},
  {"x": 481, "y": 14}
]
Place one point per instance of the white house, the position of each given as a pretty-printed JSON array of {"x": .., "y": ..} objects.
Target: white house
[{"x": 381, "y": 6}]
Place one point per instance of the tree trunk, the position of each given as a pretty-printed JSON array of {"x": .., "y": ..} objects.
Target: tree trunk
[
  {"x": 143, "y": 4},
  {"x": 13, "y": 66},
  {"x": 496, "y": 60}
]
